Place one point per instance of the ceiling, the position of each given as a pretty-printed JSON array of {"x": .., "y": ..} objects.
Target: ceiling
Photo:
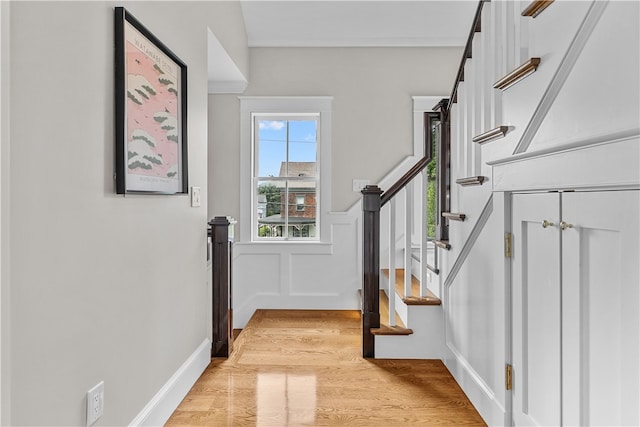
[
  {"x": 341, "y": 23},
  {"x": 357, "y": 23}
]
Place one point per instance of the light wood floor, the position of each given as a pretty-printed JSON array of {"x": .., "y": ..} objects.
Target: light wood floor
[{"x": 303, "y": 368}]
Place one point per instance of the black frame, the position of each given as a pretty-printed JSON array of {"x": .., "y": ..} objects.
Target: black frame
[
  {"x": 122, "y": 18},
  {"x": 444, "y": 170},
  {"x": 429, "y": 118}
]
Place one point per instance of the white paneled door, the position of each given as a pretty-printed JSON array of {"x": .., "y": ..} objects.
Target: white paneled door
[
  {"x": 576, "y": 327},
  {"x": 600, "y": 300},
  {"x": 536, "y": 309}
]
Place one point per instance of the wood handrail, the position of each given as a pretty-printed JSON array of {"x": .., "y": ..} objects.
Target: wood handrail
[
  {"x": 454, "y": 216},
  {"x": 475, "y": 28},
  {"x": 490, "y": 135},
  {"x": 405, "y": 179},
  {"x": 471, "y": 180},
  {"x": 536, "y": 7},
  {"x": 530, "y": 66},
  {"x": 443, "y": 244}
]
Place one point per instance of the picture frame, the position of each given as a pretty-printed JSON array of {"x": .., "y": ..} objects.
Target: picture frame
[{"x": 150, "y": 112}]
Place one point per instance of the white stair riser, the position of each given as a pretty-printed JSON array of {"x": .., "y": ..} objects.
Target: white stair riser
[{"x": 426, "y": 342}]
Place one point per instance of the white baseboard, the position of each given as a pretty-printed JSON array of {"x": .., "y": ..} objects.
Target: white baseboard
[
  {"x": 479, "y": 393},
  {"x": 167, "y": 399}
]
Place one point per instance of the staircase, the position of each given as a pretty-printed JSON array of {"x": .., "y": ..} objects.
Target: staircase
[
  {"x": 404, "y": 319},
  {"x": 525, "y": 116},
  {"x": 468, "y": 120},
  {"x": 422, "y": 313}
]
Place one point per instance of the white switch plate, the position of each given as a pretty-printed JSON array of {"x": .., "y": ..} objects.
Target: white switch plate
[
  {"x": 195, "y": 197},
  {"x": 95, "y": 403},
  {"x": 359, "y": 184}
]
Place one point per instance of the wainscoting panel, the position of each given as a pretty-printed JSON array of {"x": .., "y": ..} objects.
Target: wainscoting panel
[
  {"x": 301, "y": 275},
  {"x": 474, "y": 302}
]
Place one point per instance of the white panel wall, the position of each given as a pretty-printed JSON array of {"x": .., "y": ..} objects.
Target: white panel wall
[
  {"x": 474, "y": 299},
  {"x": 595, "y": 105},
  {"x": 101, "y": 287},
  {"x": 303, "y": 276}
]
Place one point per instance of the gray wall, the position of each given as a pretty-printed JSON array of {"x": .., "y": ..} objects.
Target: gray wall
[
  {"x": 372, "y": 116},
  {"x": 96, "y": 286}
]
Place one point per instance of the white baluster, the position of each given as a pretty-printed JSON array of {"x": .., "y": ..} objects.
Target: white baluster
[
  {"x": 463, "y": 101},
  {"x": 477, "y": 102},
  {"x": 425, "y": 230},
  {"x": 392, "y": 262},
  {"x": 497, "y": 67},
  {"x": 470, "y": 111},
  {"x": 488, "y": 53},
  {"x": 510, "y": 41},
  {"x": 407, "y": 237}
]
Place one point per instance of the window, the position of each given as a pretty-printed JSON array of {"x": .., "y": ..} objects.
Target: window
[
  {"x": 286, "y": 175},
  {"x": 285, "y": 170},
  {"x": 440, "y": 138},
  {"x": 430, "y": 142},
  {"x": 436, "y": 183}
]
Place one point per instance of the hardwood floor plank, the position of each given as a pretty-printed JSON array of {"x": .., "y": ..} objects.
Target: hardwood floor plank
[{"x": 303, "y": 367}]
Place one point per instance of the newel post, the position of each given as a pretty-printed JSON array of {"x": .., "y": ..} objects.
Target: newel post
[
  {"x": 221, "y": 287},
  {"x": 371, "y": 204}
]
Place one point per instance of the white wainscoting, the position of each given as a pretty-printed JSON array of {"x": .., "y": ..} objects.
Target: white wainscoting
[
  {"x": 301, "y": 275},
  {"x": 474, "y": 301}
]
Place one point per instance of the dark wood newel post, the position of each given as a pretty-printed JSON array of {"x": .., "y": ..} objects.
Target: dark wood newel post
[
  {"x": 221, "y": 283},
  {"x": 371, "y": 204}
]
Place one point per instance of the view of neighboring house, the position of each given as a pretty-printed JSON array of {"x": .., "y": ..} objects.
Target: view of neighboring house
[{"x": 290, "y": 203}]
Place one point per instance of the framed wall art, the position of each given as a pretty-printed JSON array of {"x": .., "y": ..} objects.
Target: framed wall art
[{"x": 151, "y": 112}]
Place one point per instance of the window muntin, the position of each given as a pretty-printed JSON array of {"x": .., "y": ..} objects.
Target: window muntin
[{"x": 286, "y": 177}]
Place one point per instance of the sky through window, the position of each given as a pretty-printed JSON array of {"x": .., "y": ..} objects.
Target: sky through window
[{"x": 272, "y": 137}]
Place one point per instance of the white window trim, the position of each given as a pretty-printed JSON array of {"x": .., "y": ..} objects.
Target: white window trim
[
  {"x": 256, "y": 179},
  {"x": 421, "y": 105},
  {"x": 285, "y": 105}
]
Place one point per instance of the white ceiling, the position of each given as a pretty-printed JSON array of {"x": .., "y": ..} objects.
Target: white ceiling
[
  {"x": 341, "y": 23},
  {"x": 358, "y": 23}
]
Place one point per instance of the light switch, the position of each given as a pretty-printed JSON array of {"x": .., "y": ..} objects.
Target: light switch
[
  {"x": 359, "y": 184},
  {"x": 195, "y": 197}
]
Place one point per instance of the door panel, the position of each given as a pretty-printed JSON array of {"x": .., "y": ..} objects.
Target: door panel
[
  {"x": 600, "y": 276},
  {"x": 536, "y": 309}
]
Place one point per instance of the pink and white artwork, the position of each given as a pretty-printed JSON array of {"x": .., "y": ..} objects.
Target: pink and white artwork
[{"x": 153, "y": 137}]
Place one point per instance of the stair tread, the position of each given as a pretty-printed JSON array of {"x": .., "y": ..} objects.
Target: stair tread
[
  {"x": 385, "y": 329},
  {"x": 391, "y": 330},
  {"x": 414, "y": 298}
]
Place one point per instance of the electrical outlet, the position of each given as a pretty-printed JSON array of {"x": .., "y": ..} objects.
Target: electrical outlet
[
  {"x": 195, "y": 197},
  {"x": 95, "y": 403}
]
